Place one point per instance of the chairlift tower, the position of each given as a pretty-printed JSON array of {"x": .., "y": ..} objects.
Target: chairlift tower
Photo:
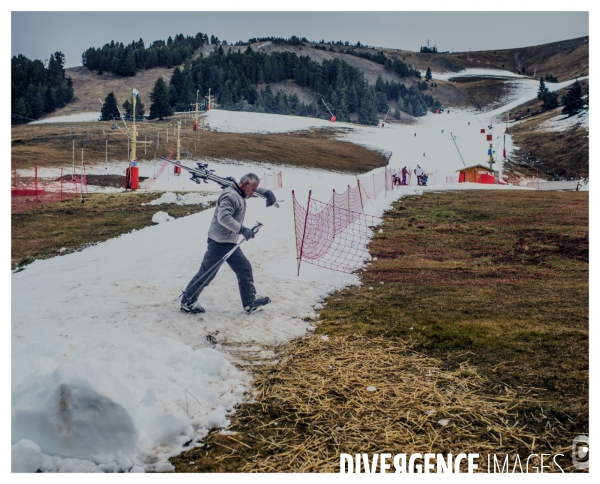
[{"x": 134, "y": 140}]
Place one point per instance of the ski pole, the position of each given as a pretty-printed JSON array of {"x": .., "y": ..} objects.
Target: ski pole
[{"x": 213, "y": 270}]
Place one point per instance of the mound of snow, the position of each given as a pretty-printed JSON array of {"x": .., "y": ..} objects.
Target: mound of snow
[
  {"x": 193, "y": 198},
  {"x": 78, "y": 410},
  {"x": 160, "y": 217}
]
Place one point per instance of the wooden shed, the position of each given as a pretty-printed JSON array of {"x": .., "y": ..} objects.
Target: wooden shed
[{"x": 477, "y": 174}]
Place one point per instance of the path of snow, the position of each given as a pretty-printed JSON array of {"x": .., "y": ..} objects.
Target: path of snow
[
  {"x": 100, "y": 329},
  {"x": 70, "y": 118}
]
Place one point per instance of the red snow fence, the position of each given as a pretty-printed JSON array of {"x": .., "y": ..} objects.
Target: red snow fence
[
  {"x": 337, "y": 235},
  {"x": 271, "y": 181},
  {"x": 31, "y": 192},
  {"x": 151, "y": 181}
]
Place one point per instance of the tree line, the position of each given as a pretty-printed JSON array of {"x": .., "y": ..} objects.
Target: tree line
[
  {"x": 240, "y": 81},
  {"x": 38, "y": 89},
  {"x": 127, "y": 60}
]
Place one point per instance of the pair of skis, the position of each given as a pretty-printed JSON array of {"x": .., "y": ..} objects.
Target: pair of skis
[{"x": 202, "y": 174}]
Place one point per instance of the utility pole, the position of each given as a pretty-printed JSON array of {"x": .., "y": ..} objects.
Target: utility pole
[
  {"x": 73, "y": 157},
  {"x": 105, "y": 150},
  {"x": 178, "y": 140},
  {"x": 134, "y": 129}
]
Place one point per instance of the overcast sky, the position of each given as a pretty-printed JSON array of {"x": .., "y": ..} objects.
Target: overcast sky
[{"x": 38, "y": 34}]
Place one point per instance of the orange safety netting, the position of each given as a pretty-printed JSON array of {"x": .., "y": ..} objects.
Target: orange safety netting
[{"x": 28, "y": 193}]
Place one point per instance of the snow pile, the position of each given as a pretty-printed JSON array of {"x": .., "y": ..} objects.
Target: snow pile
[
  {"x": 193, "y": 198},
  {"x": 78, "y": 410},
  {"x": 562, "y": 122},
  {"x": 160, "y": 217}
]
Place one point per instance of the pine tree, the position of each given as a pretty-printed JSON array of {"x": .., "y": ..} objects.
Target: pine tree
[
  {"x": 368, "y": 109},
  {"x": 573, "y": 100},
  {"x": 128, "y": 108},
  {"x": 159, "y": 97},
  {"x": 550, "y": 101},
  {"x": 428, "y": 75},
  {"x": 139, "y": 108},
  {"x": 21, "y": 110},
  {"x": 269, "y": 100},
  {"x": 542, "y": 90},
  {"x": 110, "y": 108}
]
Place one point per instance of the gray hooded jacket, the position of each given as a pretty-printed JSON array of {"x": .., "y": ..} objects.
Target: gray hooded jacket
[{"x": 229, "y": 215}]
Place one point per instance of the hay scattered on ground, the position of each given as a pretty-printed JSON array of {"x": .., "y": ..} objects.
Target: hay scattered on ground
[{"x": 353, "y": 394}]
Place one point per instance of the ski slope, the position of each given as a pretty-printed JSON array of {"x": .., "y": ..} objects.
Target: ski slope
[{"x": 108, "y": 375}]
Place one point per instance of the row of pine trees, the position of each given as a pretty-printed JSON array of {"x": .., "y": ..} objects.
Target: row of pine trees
[
  {"x": 38, "y": 89},
  {"x": 128, "y": 60}
]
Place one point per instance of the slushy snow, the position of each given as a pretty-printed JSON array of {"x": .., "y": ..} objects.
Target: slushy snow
[{"x": 108, "y": 375}]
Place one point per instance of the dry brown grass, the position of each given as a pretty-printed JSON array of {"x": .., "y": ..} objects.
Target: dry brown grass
[
  {"x": 564, "y": 60},
  {"x": 41, "y": 232},
  {"x": 51, "y": 145},
  {"x": 555, "y": 154}
]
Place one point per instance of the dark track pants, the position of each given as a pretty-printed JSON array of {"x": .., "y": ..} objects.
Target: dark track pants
[{"x": 238, "y": 263}]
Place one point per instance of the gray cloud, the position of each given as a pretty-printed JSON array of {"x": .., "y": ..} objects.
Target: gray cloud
[{"x": 38, "y": 34}]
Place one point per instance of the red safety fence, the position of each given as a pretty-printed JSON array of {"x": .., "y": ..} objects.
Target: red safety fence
[
  {"x": 541, "y": 245},
  {"x": 31, "y": 192},
  {"x": 151, "y": 181},
  {"x": 271, "y": 181}
]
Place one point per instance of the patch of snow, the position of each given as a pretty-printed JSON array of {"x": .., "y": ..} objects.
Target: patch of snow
[
  {"x": 562, "y": 122},
  {"x": 160, "y": 217},
  {"x": 444, "y": 76},
  {"x": 193, "y": 198},
  {"x": 70, "y": 118}
]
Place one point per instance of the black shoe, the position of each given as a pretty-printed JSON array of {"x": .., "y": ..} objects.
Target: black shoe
[
  {"x": 257, "y": 302},
  {"x": 192, "y": 308}
]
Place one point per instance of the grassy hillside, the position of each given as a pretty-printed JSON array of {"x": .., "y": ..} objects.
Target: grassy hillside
[{"x": 564, "y": 60}]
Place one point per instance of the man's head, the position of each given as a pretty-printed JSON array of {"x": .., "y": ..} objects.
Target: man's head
[{"x": 248, "y": 184}]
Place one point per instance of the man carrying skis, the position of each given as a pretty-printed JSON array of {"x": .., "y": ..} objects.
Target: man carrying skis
[{"x": 223, "y": 233}]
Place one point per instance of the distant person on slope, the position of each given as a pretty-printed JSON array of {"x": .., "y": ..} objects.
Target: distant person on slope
[
  {"x": 404, "y": 173},
  {"x": 419, "y": 172},
  {"x": 223, "y": 233}
]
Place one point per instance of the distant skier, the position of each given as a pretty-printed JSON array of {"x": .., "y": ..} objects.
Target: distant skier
[
  {"x": 423, "y": 155},
  {"x": 223, "y": 233},
  {"x": 415, "y": 134},
  {"x": 419, "y": 172},
  {"x": 442, "y": 131},
  {"x": 404, "y": 172},
  {"x": 469, "y": 123}
]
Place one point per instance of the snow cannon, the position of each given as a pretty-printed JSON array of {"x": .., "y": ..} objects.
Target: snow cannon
[
  {"x": 132, "y": 176},
  {"x": 177, "y": 169}
]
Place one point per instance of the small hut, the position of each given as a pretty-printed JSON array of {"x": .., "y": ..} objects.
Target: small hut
[{"x": 478, "y": 174}]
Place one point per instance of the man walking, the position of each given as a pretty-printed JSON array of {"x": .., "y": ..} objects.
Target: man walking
[{"x": 223, "y": 233}]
